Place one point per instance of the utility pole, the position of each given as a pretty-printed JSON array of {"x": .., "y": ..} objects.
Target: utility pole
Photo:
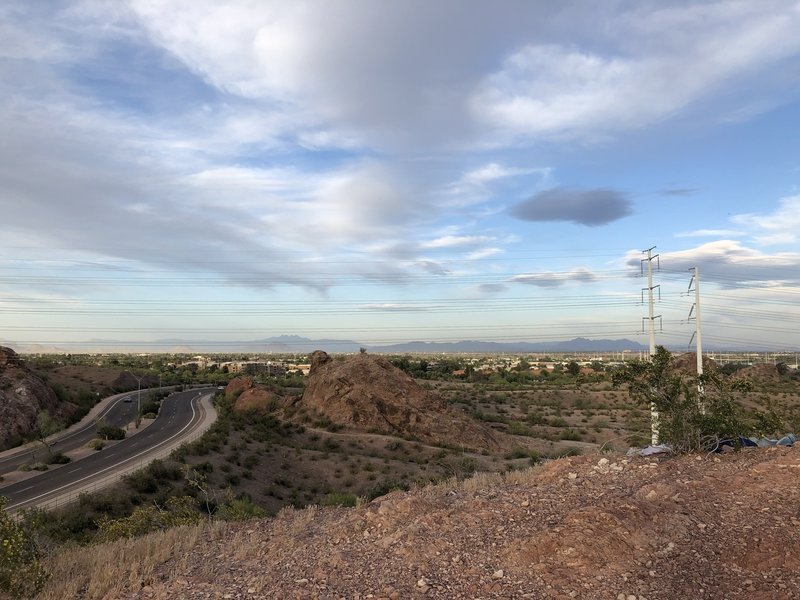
[
  {"x": 652, "y": 330},
  {"x": 697, "y": 335}
]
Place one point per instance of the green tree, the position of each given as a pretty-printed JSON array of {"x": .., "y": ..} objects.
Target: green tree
[
  {"x": 688, "y": 419},
  {"x": 573, "y": 368},
  {"x": 46, "y": 426}
]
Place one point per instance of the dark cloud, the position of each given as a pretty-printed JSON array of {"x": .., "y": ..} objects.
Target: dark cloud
[
  {"x": 550, "y": 280},
  {"x": 677, "y": 191},
  {"x": 434, "y": 268},
  {"x": 594, "y": 207},
  {"x": 492, "y": 288}
]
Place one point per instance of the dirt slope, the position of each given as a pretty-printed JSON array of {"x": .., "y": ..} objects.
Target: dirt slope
[
  {"x": 587, "y": 527},
  {"x": 369, "y": 393}
]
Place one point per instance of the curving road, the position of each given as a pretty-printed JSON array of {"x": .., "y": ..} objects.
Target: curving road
[
  {"x": 120, "y": 411},
  {"x": 182, "y": 415}
]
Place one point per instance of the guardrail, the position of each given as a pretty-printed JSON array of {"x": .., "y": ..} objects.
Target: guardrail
[{"x": 66, "y": 498}]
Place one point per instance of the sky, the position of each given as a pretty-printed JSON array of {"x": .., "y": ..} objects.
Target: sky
[{"x": 387, "y": 171}]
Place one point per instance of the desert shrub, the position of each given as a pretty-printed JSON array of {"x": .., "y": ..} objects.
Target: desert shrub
[
  {"x": 59, "y": 458},
  {"x": 95, "y": 444},
  {"x": 339, "y": 499},
  {"x": 179, "y": 510},
  {"x": 239, "y": 509},
  {"x": 517, "y": 453},
  {"x": 110, "y": 432},
  {"x": 386, "y": 486},
  {"x": 21, "y": 572}
]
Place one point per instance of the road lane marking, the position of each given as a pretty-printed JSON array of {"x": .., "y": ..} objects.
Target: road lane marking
[{"x": 135, "y": 456}]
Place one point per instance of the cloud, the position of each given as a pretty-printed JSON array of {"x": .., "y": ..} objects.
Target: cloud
[
  {"x": 710, "y": 233},
  {"x": 780, "y": 227},
  {"x": 492, "y": 288},
  {"x": 668, "y": 58},
  {"x": 484, "y": 253},
  {"x": 434, "y": 268},
  {"x": 394, "y": 307},
  {"x": 456, "y": 241},
  {"x": 592, "y": 207},
  {"x": 677, "y": 191},
  {"x": 493, "y": 171},
  {"x": 550, "y": 280},
  {"x": 729, "y": 263}
]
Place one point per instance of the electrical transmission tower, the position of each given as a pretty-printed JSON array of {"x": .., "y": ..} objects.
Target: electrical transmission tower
[
  {"x": 651, "y": 318},
  {"x": 696, "y": 335}
]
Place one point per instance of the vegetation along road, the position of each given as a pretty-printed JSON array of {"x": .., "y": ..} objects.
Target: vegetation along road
[
  {"x": 117, "y": 411},
  {"x": 183, "y": 415}
]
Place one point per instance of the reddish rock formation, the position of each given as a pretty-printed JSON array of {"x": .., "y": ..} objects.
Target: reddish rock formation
[
  {"x": 250, "y": 396},
  {"x": 687, "y": 363},
  {"x": 370, "y": 394},
  {"x": 23, "y": 396},
  {"x": 762, "y": 372}
]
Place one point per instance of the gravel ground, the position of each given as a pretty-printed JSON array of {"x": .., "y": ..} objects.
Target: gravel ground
[{"x": 594, "y": 527}]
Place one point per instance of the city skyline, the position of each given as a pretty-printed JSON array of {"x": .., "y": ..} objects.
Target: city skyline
[{"x": 388, "y": 172}]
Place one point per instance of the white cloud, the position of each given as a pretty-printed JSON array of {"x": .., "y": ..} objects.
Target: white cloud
[
  {"x": 669, "y": 58},
  {"x": 456, "y": 241},
  {"x": 780, "y": 227},
  {"x": 394, "y": 307},
  {"x": 729, "y": 263},
  {"x": 493, "y": 171},
  {"x": 710, "y": 233},
  {"x": 484, "y": 253}
]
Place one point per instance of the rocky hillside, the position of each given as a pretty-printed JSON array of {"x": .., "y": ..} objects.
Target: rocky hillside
[
  {"x": 589, "y": 527},
  {"x": 370, "y": 394},
  {"x": 23, "y": 396}
]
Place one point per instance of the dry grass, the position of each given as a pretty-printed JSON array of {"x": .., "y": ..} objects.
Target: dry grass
[{"x": 94, "y": 572}]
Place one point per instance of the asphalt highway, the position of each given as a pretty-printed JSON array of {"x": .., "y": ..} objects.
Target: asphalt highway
[
  {"x": 179, "y": 414},
  {"x": 119, "y": 413}
]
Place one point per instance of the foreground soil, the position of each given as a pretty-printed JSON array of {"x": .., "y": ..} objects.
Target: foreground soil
[{"x": 594, "y": 527}]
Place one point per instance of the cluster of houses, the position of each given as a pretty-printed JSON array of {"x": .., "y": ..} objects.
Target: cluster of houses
[{"x": 251, "y": 366}]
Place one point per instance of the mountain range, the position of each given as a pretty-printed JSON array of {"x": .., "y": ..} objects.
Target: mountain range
[{"x": 287, "y": 344}]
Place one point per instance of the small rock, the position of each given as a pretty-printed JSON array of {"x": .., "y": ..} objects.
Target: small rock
[
  {"x": 572, "y": 475},
  {"x": 422, "y": 582},
  {"x": 498, "y": 574}
]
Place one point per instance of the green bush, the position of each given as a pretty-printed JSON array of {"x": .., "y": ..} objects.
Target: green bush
[{"x": 688, "y": 419}]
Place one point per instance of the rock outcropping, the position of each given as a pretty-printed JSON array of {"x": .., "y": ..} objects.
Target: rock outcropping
[
  {"x": 23, "y": 396},
  {"x": 370, "y": 394},
  {"x": 248, "y": 396},
  {"x": 762, "y": 373}
]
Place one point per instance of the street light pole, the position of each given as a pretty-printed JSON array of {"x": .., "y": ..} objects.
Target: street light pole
[{"x": 138, "y": 396}]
